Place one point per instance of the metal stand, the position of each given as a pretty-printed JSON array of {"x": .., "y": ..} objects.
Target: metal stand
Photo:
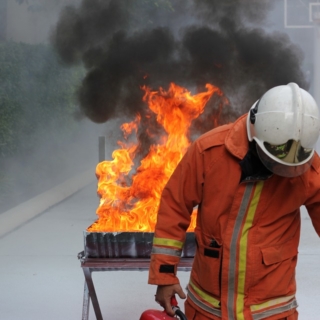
[{"x": 90, "y": 265}]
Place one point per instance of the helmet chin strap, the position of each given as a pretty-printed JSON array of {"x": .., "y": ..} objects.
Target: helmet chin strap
[{"x": 292, "y": 156}]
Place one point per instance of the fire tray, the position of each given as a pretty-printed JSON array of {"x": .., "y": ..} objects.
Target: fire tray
[{"x": 127, "y": 245}]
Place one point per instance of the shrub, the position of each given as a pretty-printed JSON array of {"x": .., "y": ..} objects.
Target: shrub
[{"x": 36, "y": 98}]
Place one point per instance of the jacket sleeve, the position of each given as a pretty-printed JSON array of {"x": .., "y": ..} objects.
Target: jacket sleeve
[
  {"x": 313, "y": 196},
  {"x": 182, "y": 193}
]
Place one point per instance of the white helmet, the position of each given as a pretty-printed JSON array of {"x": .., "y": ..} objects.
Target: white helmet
[{"x": 285, "y": 125}]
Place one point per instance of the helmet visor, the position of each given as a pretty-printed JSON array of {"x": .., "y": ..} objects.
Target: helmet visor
[
  {"x": 290, "y": 152},
  {"x": 288, "y": 171}
]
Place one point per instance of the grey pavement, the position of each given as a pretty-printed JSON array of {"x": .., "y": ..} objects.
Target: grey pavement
[{"x": 41, "y": 277}]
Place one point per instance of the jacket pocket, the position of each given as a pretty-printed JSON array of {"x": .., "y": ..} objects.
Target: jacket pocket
[
  {"x": 278, "y": 253},
  {"x": 206, "y": 269},
  {"x": 276, "y": 273}
]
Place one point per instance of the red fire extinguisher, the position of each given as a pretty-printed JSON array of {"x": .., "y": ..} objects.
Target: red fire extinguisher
[{"x": 162, "y": 315}]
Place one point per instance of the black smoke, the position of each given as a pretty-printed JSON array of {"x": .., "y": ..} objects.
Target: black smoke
[{"x": 125, "y": 44}]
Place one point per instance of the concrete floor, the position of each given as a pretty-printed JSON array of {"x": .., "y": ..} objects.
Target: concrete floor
[{"x": 41, "y": 278}]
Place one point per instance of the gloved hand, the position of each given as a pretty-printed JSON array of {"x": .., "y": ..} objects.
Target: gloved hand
[{"x": 165, "y": 293}]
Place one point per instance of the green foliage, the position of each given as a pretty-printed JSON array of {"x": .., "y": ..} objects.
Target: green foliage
[
  {"x": 35, "y": 91},
  {"x": 37, "y": 99}
]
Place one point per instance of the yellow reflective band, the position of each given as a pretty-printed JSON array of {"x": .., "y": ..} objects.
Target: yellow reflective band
[
  {"x": 270, "y": 303},
  {"x": 243, "y": 250},
  {"x": 214, "y": 302},
  {"x": 167, "y": 242}
]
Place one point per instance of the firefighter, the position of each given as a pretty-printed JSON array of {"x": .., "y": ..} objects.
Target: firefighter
[{"x": 248, "y": 180}]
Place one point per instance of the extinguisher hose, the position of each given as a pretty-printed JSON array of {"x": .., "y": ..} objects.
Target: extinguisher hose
[{"x": 179, "y": 313}]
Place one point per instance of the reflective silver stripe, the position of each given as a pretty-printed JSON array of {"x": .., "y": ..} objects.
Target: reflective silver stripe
[
  {"x": 256, "y": 308},
  {"x": 166, "y": 251},
  {"x": 203, "y": 306},
  {"x": 265, "y": 314},
  {"x": 233, "y": 251}
]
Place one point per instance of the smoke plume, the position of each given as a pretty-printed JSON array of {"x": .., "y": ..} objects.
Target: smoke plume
[{"x": 192, "y": 42}]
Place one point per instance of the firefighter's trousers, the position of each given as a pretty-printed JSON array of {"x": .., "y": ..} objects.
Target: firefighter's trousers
[{"x": 193, "y": 314}]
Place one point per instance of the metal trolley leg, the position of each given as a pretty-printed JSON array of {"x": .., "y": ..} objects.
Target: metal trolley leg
[
  {"x": 86, "y": 302},
  {"x": 92, "y": 294}
]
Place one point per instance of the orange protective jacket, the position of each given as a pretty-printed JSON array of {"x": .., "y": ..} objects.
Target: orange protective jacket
[{"x": 247, "y": 232}]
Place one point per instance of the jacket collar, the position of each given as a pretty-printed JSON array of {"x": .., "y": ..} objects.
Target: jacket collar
[{"x": 237, "y": 142}]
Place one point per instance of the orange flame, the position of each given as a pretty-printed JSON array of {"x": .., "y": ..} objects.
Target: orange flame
[{"x": 134, "y": 208}]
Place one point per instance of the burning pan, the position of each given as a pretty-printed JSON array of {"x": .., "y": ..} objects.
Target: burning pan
[{"x": 127, "y": 244}]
